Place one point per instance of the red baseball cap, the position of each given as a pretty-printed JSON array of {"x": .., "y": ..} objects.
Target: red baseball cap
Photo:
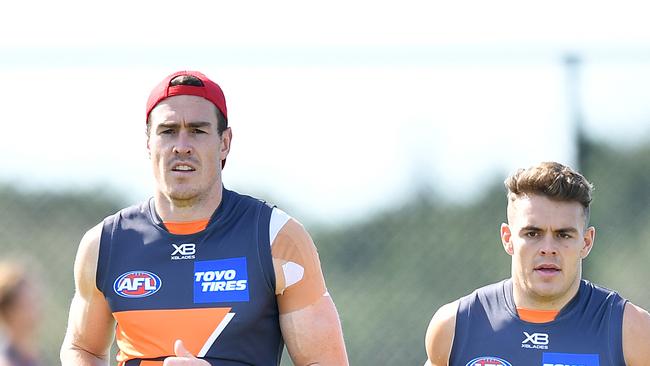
[{"x": 209, "y": 90}]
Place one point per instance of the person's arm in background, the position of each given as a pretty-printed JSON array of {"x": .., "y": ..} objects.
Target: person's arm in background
[{"x": 90, "y": 323}]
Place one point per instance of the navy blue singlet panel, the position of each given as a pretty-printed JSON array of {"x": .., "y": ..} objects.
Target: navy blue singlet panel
[
  {"x": 586, "y": 332},
  {"x": 161, "y": 286}
]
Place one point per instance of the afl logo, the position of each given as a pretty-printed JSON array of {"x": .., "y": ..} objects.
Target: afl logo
[
  {"x": 137, "y": 284},
  {"x": 488, "y": 361}
]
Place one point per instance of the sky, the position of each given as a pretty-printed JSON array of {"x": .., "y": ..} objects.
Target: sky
[{"x": 339, "y": 109}]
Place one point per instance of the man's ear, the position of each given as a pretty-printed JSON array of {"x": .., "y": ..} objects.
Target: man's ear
[
  {"x": 148, "y": 148},
  {"x": 226, "y": 139},
  {"x": 506, "y": 239},
  {"x": 588, "y": 242}
]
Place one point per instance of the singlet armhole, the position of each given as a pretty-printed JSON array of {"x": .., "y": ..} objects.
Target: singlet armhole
[
  {"x": 618, "y": 311},
  {"x": 461, "y": 327},
  {"x": 265, "y": 218},
  {"x": 104, "y": 255}
]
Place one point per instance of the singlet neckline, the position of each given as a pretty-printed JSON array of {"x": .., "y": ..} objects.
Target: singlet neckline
[
  {"x": 569, "y": 308},
  {"x": 186, "y": 227},
  {"x": 219, "y": 215},
  {"x": 537, "y": 316}
]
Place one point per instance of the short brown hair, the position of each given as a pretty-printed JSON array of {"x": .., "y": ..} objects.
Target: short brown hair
[{"x": 553, "y": 180}]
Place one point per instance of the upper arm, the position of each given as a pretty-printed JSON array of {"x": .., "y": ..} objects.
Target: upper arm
[
  {"x": 299, "y": 278},
  {"x": 440, "y": 335},
  {"x": 90, "y": 322},
  {"x": 308, "y": 318},
  {"x": 313, "y": 335},
  {"x": 636, "y": 335}
]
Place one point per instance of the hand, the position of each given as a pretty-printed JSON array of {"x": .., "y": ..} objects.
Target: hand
[{"x": 183, "y": 357}]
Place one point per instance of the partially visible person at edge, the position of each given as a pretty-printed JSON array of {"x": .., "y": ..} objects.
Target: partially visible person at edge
[
  {"x": 545, "y": 313},
  {"x": 19, "y": 316},
  {"x": 198, "y": 274}
]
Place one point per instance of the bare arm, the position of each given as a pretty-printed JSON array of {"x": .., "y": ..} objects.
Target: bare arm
[
  {"x": 440, "y": 335},
  {"x": 636, "y": 336},
  {"x": 90, "y": 323},
  {"x": 313, "y": 335},
  {"x": 308, "y": 318}
]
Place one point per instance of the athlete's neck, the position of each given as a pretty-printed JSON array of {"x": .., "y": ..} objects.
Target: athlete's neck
[
  {"x": 527, "y": 298},
  {"x": 198, "y": 207}
]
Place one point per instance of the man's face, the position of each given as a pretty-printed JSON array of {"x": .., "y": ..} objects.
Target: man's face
[
  {"x": 547, "y": 240},
  {"x": 185, "y": 148}
]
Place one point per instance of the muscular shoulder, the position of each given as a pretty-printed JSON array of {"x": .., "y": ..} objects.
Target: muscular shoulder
[
  {"x": 636, "y": 333},
  {"x": 299, "y": 279},
  {"x": 294, "y": 236},
  {"x": 85, "y": 266},
  {"x": 291, "y": 244},
  {"x": 294, "y": 250},
  {"x": 440, "y": 334}
]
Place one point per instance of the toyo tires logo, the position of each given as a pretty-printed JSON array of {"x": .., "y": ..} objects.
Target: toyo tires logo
[{"x": 137, "y": 284}]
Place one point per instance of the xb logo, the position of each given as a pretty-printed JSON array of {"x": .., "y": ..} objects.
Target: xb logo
[
  {"x": 184, "y": 251},
  {"x": 535, "y": 340}
]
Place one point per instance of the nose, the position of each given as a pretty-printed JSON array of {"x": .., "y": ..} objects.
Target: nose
[
  {"x": 548, "y": 247},
  {"x": 182, "y": 146}
]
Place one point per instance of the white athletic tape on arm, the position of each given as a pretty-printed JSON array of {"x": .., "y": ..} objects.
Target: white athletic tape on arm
[
  {"x": 293, "y": 273},
  {"x": 278, "y": 219}
]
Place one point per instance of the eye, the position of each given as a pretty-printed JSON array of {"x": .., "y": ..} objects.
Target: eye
[
  {"x": 564, "y": 235},
  {"x": 198, "y": 131},
  {"x": 531, "y": 234},
  {"x": 167, "y": 131}
]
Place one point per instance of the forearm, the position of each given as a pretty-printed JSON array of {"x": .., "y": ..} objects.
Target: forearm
[{"x": 313, "y": 335}]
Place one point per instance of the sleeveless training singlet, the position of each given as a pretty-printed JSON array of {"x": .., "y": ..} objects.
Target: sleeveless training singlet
[
  {"x": 586, "y": 332},
  {"x": 214, "y": 289}
]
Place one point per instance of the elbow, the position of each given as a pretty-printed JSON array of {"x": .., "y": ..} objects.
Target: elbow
[{"x": 72, "y": 354}]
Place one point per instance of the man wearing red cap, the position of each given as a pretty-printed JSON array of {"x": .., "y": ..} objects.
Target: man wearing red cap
[{"x": 198, "y": 275}]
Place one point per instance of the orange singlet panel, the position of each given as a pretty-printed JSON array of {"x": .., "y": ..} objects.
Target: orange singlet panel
[
  {"x": 153, "y": 332},
  {"x": 186, "y": 227},
  {"x": 537, "y": 316}
]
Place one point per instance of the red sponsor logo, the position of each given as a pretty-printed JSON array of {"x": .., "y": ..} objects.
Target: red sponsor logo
[{"x": 488, "y": 361}]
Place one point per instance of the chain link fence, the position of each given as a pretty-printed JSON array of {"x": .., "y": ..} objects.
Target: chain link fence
[{"x": 388, "y": 273}]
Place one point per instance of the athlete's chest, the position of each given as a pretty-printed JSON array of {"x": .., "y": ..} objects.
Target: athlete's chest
[
  {"x": 586, "y": 332},
  {"x": 573, "y": 342},
  {"x": 153, "y": 270}
]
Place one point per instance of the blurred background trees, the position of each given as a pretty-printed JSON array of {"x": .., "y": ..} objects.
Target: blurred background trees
[{"x": 388, "y": 272}]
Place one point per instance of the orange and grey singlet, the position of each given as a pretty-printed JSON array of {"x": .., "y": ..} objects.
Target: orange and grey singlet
[
  {"x": 214, "y": 289},
  {"x": 586, "y": 332}
]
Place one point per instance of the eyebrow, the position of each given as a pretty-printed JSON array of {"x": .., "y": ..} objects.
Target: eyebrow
[
  {"x": 530, "y": 228},
  {"x": 196, "y": 124},
  {"x": 567, "y": 230},
  {"x": 561, "y": 230}
]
